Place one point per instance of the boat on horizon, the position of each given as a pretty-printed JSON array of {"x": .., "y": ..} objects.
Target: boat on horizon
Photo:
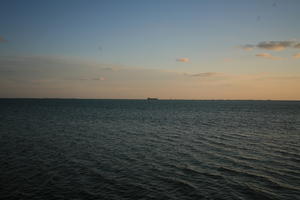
[{"x": 151, "y": 98}]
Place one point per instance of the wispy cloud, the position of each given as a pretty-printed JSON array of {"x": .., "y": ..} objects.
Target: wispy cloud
[
  {"x": 183, "y": 60},
  {"x": 204, "y": 74},
  {"x": 278, "y": 77},
  {"x": 272, "y": 45},
  {"x": 112, "y": 69},
  {"x": 296, "y": 56},
  {"x": 268, "y": 56},
  {"x": 101, "y": 78},
  {"x": 68, "y": 78},
  {"x": 108, "y": 68},
  {"x": 77, "y": 79}
]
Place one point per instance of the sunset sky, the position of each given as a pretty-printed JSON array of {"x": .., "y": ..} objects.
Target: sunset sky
[{"x": 169, "y": 49}]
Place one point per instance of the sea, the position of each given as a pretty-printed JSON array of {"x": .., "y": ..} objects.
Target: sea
[{"x": 149, "y": 149}]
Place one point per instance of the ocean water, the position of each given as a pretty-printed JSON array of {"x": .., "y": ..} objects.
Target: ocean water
[{"x": 139, "y": 149}]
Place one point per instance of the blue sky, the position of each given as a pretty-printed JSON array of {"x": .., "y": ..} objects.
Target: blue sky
[{"x": 152, "y": 34}]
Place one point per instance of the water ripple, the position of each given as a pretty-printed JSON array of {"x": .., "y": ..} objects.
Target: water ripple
[{"x": 134, "y": 149}]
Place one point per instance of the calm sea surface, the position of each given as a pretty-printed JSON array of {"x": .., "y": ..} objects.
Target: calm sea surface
[{"x": 138, "y": 149}]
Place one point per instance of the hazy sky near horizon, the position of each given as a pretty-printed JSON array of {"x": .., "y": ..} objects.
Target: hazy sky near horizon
[{"x": 179, "y": 49}]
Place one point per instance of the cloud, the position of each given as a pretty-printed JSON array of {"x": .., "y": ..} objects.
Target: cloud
[
  {"x": 275, "y": 45},
  {"x": 2, "y": 39},
  {"x": 297, "y": 55},
  {"x": 268, "y": 56},
  {"x": 65, "y": 69},
  {"x": 112, "y": 69},
  {"x": 283, "y": 78},
  {"x": 183, "y": 60},
  {"x": 272, "y": 45},
  {"x": 204, "y": 74},
  {"x": 47, "y": 77},
  {"x": 101, "y": 78},
  {"x": 297, "y": 45},
  {"x": 76, "y": 79},
  {"x": 108, "y": 68}
]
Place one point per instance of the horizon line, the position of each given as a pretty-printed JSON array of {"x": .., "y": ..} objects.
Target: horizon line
[{"x": 163, "y": 99}]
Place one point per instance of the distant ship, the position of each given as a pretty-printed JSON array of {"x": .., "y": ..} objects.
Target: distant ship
[{"x": 151, "y": 99}]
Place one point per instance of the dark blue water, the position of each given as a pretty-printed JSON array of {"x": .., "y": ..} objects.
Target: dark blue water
[{"x": 135, "y": 149}]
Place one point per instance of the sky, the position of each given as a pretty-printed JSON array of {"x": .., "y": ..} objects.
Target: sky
[{"x": 134, "y": 49}]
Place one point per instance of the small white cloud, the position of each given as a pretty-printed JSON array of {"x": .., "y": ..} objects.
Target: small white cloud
[{"x": 183, "y": 60}]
